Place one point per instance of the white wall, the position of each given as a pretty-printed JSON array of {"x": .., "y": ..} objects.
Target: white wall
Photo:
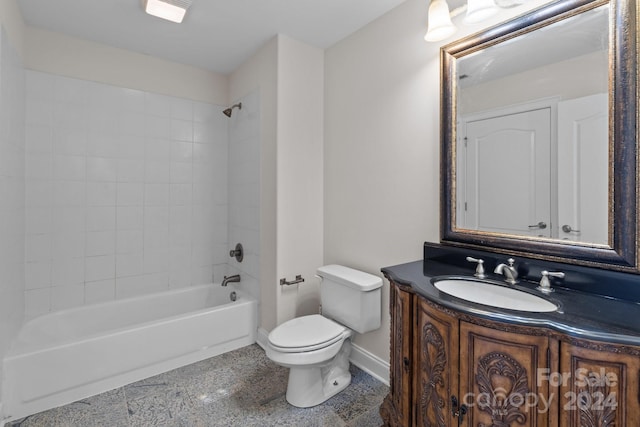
[
  {"x": 12, "y": 195},
  {"x": 12, "y": 184},
  {"x": 381, "y": 172},
  {"x": 259, "y": 74},
  {"x": 289, "y": 77},
  {"x": 244, "y": 191},
  {"x": 125, "y": 194}
]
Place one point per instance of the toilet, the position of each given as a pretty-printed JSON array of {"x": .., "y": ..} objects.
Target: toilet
[{"x": 316, "y": 348}]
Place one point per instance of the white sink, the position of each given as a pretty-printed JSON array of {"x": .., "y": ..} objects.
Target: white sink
[{"x": 494, "y": 295}]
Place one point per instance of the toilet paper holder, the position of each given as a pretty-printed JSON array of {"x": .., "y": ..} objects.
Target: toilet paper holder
[{"x": 284, "y": 282}]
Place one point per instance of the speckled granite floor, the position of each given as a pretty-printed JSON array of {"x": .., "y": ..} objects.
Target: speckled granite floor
[{"x": 239, "y": 388}]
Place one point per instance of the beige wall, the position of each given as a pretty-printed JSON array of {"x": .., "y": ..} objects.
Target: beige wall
[
  {"x": 300, "y": 181},
  {"x": 593, "y": 69},
  {"x": 82, "y": 59},
  {"x": 382, "y": 146}
]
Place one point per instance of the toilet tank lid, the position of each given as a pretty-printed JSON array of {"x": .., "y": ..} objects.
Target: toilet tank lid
[{"x": 349, "y": 277}]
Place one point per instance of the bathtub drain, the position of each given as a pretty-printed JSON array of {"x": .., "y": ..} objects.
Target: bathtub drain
[{"x": 233, "y": 296}]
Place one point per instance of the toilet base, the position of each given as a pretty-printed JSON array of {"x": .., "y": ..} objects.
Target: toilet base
[{"x": 311, "y": 385}]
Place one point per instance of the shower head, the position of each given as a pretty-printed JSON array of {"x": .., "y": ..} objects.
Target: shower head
[{"x": 229, "y": 110}]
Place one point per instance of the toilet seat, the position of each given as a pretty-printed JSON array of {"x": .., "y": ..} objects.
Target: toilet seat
[{"x": 306, "y": 333}]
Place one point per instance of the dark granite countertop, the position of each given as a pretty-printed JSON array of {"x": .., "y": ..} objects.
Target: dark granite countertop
[{"x": 580, "y": 314}]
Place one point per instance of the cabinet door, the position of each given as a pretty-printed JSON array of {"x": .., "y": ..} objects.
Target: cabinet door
[
  {"x": 599, "y": 385},
  {"x": 498, "y": 376},
  {"x": 396, "y": 409},
  {"x": 436, "y": 365}
]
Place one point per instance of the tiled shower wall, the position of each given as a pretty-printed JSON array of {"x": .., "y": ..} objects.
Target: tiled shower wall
[
  {"x": 126, "y": 192},
  {"x": 12, "y": 210},
  {"x": 244, "y": 191}
]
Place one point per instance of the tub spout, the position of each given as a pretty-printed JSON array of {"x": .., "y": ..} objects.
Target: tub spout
[{"x": 230, "y": 279}]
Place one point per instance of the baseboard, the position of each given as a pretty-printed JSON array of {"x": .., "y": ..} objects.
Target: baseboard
[
  {"x": 370, "y": 363},
  {"x": 262, "y": 338},
  {"x": 363, "y": 359}
]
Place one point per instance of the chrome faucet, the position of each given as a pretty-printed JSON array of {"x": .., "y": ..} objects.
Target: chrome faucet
[
  {"x": 230, "y": 279},
  {"x": 508, "y": 271}
]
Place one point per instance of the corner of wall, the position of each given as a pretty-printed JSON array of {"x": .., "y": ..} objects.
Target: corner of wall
[{"x": 13, "y": 23}]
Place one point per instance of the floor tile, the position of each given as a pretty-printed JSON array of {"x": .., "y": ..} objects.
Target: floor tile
[{"x": 239, "y": 388}]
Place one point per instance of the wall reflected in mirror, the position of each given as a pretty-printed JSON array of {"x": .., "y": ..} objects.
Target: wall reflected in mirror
[{"x": 532, "y": 149}]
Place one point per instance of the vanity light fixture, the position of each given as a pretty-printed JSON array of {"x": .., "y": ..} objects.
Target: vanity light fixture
[
  {"x": 439, "y": 25},
  {"x": 479, "y": 10},
  {"x": 171, "y": 10}
]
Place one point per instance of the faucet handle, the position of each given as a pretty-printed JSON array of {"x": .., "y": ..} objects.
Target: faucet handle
[
  {"x": 545, "y": 284},
  {"x": 511, "y": 261},
  {"x": 479, "y": 269}
]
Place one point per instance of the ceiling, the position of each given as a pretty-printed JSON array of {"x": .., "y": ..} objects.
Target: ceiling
[{"x": 217, "y": 35}]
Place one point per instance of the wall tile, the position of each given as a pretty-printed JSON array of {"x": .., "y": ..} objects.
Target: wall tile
[
  {"x": 100, "y": 243},
  {"x": 112, "y": 192},
  {"x": 100, "y": 267},
  {"x": 68, "y": 296},
  {"x": 130, "y": 194},
  {"x": 101, "y": 193},
  {"x": 37, "y": 301},
  {"x": 129, "y": 217},
  {"x": 99, "y": 291}
]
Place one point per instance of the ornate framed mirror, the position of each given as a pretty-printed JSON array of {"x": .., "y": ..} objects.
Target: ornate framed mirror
[{"x": 539, "y": 153}]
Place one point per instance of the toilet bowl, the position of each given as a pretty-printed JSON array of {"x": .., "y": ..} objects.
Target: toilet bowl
[
  {"x": 316, "y": 351},
  {"x": 316, "y": 347}
]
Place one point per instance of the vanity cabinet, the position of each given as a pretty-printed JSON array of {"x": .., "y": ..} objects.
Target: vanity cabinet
[
  {"x": 599, "y": 384},
  {"x": 450, "y": 368}
]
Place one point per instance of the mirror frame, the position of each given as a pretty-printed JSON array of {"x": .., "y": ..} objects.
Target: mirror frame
[{"x": 622, "y": 251}]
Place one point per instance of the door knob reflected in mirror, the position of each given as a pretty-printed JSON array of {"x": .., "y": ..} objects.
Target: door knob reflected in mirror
[
  {"x": 541, "y": 225},
  {"x": 567, "y": 229}
]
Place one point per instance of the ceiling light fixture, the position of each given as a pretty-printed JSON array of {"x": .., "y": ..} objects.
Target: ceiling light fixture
[{"x": 171, "y": 10}]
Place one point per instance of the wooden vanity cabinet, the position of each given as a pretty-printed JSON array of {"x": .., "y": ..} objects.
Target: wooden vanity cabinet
[
  {"x": 397, "y": 406},
  {"x": 599, "y": 385},
  {"x": 448, "y": 358},
  {"x": 435, "y": 361},
  {"x": 504, "y": 374},
  {"x": 499, "y": 375}
]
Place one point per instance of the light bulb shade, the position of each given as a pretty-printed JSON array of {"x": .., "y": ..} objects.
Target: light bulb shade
[
  {"x": 479, "y": 10},
  {"x": 439, "y": 25}
]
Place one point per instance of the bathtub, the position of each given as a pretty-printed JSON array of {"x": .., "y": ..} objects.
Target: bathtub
[{"x": 72, "y": 354}]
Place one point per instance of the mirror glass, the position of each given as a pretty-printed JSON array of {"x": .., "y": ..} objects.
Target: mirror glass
[
  {"x": 539, "y": 136},
  {"x": 532, "y": 133}
]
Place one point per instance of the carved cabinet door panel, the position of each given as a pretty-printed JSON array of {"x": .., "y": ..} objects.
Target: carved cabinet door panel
[
  {"x": 396, "y": 409},
  {"x": 498, "y": 376},
  {"x": 598, "y": 385},
  {"x": 436, "y": 365}
]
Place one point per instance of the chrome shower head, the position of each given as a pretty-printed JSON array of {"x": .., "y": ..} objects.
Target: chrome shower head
[{"x": 229, "y": 110}]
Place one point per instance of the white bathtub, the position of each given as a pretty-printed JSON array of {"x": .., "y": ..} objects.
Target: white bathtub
[{"x": 72, "y": 354}]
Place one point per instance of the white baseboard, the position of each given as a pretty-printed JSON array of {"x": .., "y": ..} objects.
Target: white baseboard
[
  {"x": 370, "y": 363},
  {"x": 363, "y": 359},
  {"x": 262, "y": 338}
]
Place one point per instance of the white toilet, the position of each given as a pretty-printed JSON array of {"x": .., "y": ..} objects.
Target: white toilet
[{"x": 316, "y": 348}]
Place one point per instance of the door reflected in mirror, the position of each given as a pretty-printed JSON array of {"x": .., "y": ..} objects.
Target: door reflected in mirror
[{"x": 532, "y": 139}]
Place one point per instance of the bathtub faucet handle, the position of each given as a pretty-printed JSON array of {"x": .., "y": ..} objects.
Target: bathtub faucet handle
[
  {"x": 230, "y": 279},
  {"x": 237, "y": 253}
]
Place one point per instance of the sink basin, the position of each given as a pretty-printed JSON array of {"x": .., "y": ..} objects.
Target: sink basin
[{"x": 494, "y": 295}]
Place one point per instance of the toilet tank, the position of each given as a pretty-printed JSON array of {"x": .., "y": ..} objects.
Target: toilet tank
[{"x": 351, "y": 297}]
